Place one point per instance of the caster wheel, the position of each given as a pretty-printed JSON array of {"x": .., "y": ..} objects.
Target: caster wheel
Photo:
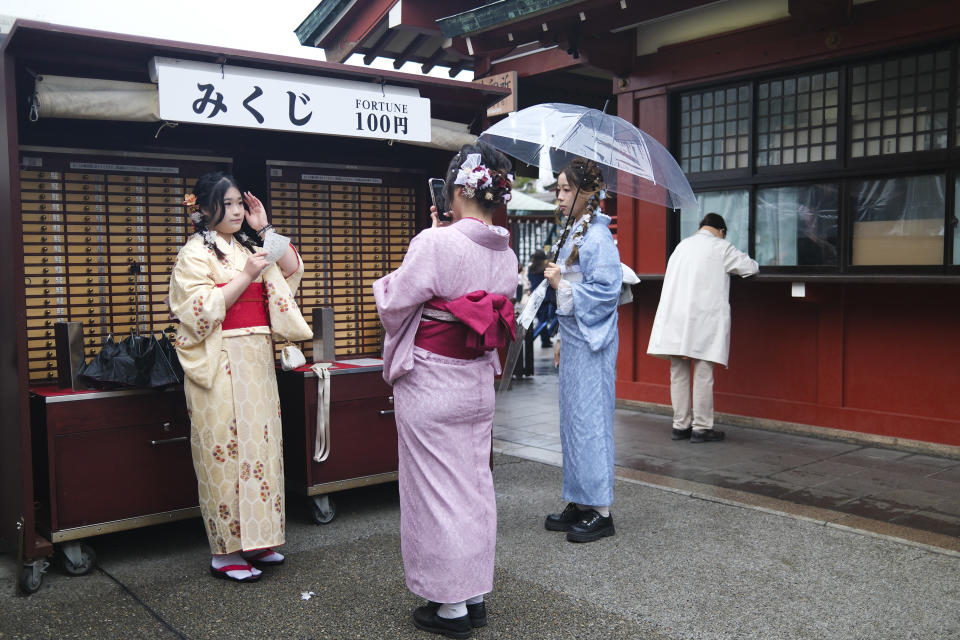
[
  {"x": 31, "y": 576},
  {"x": 323, "y": 509},
  {"x": 79, "y": 559}
]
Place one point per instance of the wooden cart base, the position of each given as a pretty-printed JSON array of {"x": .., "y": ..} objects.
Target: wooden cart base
[{"x": 363, "y": 433}]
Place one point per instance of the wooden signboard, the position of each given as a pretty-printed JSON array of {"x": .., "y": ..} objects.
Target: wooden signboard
[{"x": 506, "y": 80}]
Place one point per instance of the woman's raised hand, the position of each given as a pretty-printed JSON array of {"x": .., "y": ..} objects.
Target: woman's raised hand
[
  {"x": 256, "y": 264},
  {"x": 256, "y": 213}
]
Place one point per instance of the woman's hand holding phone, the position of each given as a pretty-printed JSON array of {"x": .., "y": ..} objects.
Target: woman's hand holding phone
[
  {"x": 439, "y": 210},
  {"x": 435, "y": 218}
]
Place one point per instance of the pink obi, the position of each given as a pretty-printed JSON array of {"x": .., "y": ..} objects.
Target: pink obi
[
  {"x": 250, "y": 309},
  {"x": 466, "y": 327}
]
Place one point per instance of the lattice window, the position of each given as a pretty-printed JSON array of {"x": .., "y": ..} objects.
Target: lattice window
[
  {"x": 715, "y": 129},
  {"x": 900, "y": 105},
  {"x": 957, "y": 113},
  {"x": 797, "y": 119}
]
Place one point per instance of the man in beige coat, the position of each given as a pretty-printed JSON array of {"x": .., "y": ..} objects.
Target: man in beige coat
[{"x": 692, "y": 325}]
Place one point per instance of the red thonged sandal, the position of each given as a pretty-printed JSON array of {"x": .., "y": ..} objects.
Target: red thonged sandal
[
  {"x": 223, "y": 573},
  {"x": 266, "y": 557}
]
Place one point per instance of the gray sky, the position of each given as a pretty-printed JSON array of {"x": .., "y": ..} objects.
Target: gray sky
[{"x": 255, "y": 25}]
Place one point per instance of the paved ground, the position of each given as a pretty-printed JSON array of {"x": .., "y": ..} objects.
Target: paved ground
[
  {"x": 702, "y": 551},
  {"x": 679, "y": 568},
  {"x": 907, "y": 494}
]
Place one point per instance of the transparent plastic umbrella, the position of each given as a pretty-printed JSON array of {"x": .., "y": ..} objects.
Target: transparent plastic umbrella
[{"x": 633, "y": 163}]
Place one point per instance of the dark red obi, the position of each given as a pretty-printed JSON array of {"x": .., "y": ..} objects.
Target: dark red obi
[
  {"x": 468, "y": 326},
  {"x": 250, "y": 309}
]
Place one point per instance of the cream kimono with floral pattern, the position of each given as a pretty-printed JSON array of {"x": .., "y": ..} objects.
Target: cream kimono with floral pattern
[{"x": 231, "y": 390}]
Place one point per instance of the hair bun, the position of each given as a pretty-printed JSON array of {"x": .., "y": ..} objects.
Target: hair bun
[{"x": 589, "y": 173}]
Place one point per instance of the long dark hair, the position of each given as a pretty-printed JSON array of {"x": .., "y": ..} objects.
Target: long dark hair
[
  {"x": 210, "y": 190},
  {"x": 490, "y": 197}
]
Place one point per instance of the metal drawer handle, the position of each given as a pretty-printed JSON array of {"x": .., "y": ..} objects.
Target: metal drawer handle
[
  {"x": 386, "y": 412},
  {"x": 155, "y": 443}
]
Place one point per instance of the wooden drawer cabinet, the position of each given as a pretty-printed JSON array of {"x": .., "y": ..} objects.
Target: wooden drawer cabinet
[
  {"x": 363, "y": 433},
  {"x": 108, "y": 461}
]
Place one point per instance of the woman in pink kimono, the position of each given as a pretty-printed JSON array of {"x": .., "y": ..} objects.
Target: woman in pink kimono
[
  {"x": 445, "y": 311},
  {"x": 231, "y": 303}
]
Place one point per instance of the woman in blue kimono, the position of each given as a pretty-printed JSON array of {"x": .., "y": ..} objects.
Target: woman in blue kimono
[{"x": 587, "y": 279}]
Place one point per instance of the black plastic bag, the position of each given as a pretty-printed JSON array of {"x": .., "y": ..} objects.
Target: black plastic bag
[
  {"x": 137, "y": 361},
  {"x": 169, "y": 352}
]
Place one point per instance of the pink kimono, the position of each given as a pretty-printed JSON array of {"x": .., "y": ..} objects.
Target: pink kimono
[{"x": 444, "y": 411}]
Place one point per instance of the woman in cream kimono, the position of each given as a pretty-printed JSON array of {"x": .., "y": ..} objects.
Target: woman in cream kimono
[{"x": 230, "y": 301}]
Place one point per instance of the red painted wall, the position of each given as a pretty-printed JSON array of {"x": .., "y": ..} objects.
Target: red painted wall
[{"x": 872, "y": 358}]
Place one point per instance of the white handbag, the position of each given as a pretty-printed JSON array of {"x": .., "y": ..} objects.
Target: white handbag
[
  {"x": 629, "y": 278},
  {"x": 291, "y": 357}
]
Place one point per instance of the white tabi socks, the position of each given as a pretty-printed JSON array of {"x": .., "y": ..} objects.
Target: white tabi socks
[
  {"x": 453, "y": 609},
  {"x": 219, "y": 561}
]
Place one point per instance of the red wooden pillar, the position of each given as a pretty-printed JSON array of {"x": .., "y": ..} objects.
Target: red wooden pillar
[{"x": 642, "y": 237}]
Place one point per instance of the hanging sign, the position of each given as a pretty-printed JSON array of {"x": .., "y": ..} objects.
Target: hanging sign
[
  {"x": 232, "y": 96},
  {"x": 506, "y": 80}
]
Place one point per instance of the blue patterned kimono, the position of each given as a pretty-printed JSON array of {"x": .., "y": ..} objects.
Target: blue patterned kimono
[{"x": 588, "y": 363}]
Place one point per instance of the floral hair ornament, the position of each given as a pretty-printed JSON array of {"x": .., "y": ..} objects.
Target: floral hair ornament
[
  {"x": 473, "y": 175},
  {"x": 190, "y": 201}
]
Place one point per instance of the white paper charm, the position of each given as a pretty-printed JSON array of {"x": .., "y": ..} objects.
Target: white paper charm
[
  {"x": 275, "y": 245},
  {"x": 525, "y": 319}
]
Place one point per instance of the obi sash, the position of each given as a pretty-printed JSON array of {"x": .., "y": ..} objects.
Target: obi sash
[
  {"x": 466, "y": 327},
  {"x": 250, "y": 309}
]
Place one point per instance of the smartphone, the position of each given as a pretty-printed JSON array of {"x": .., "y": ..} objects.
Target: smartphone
[{"x": 436, "y": 187}]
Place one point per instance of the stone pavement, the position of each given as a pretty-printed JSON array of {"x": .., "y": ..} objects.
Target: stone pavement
[
  {"x": 702, "y": 552},
  {"x": 679, "y": 568},
  {"x": 884, "y": 491}
]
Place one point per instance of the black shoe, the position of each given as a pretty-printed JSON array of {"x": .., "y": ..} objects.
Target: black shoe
[
  {"x": 707, "y": 435},
  {"x": 546, "y": 344},
  {"x": 592, "y": 527},
  {"x": 681, "y": 434},
  {"x": 476, "y": 612},
  {"x": 565, "y": 519},
  {"x": 426, "y": 618}
]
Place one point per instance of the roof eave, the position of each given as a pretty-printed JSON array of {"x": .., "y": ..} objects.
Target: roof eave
[
  {"x": 320, "y": 20},
  {"x": 27, "y": 35},
  {"x": 497, "y": 14}
]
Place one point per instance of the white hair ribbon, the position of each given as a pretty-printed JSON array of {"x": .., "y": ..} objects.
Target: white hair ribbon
[{"x": 473, "y": 174}]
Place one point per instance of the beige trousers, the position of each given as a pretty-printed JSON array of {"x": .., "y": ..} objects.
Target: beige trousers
[{"x": 699, "y": 412}]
